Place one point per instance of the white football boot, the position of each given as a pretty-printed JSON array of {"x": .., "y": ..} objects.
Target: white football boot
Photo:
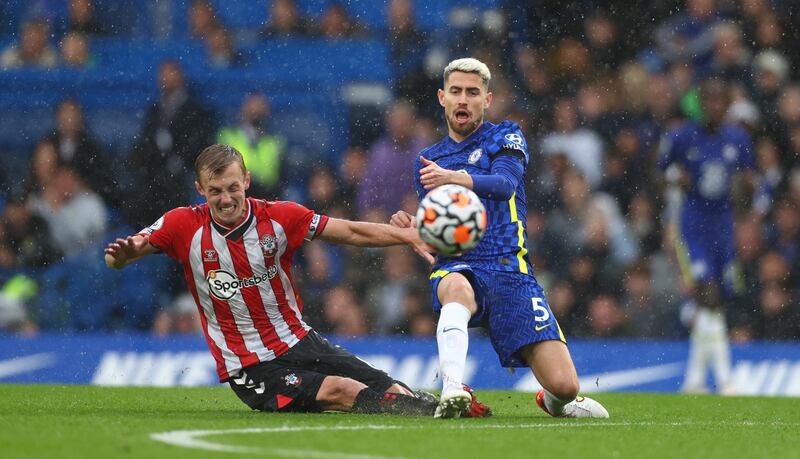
[
  {"x": 452, "y": 403},
  {"x": 581, "y": 407}
]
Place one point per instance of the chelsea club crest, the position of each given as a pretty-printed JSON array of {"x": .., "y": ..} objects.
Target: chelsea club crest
[{"x": 475, "y": 156}]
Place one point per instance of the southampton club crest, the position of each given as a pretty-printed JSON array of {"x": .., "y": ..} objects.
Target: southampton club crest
[
  {"x": 292, "y": 380},
  {"x": 268, "y": 245}
]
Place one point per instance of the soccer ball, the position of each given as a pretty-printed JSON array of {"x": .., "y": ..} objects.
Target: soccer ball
[{"x": 451, "y": 219}]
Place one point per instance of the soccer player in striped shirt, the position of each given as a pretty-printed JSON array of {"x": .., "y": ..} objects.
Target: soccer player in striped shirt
[
  {"x": 492, "y": 285},
  {"x": 236, "y": 254}
]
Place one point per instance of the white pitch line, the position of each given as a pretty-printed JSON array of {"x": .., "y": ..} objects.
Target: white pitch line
[{"x": 190, "y": 438}]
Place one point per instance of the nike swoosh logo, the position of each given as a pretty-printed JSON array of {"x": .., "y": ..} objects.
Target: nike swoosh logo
[
  {"x": 542, "y": 327},
  {"x": 615, "y": 380},
  {"x": 445, "y": 330},
  {"x": 27, "y": 364}
]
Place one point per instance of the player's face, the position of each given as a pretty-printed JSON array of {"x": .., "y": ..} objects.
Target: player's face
[
  {"x": 225, "y": 193},
  {"x": 465, "y": 100},
  {"x": 715, "y": 100}
]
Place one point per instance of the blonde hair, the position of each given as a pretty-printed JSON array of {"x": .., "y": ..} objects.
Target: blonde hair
[{"x": 469, "y": 65}]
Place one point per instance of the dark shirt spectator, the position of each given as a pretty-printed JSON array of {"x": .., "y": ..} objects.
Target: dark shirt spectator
[
  {"x": 25, "y": 237},
  {"x": 352, "y": 171},
  {"x": 77, "y": 148},
  {"x": 407, "y": 43},
  {"x": 175, "y": 128},
  {"x": 323, "y": 192}
]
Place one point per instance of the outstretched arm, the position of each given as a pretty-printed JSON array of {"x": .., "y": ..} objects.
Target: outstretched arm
[
  {"x": 507, "y": 170},
  {"x": 122, "y": 252},
  {"x": 364, "y": 234}
]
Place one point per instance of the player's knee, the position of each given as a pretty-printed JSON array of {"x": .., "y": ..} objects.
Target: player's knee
[
  {"x": 565, "y": 389},
  {"x": 456, "y": 288}
]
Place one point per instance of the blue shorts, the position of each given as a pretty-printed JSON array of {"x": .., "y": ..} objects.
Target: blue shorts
[
  {"x": 511, "y": 306},
  {"x": 705, "y": 249}
]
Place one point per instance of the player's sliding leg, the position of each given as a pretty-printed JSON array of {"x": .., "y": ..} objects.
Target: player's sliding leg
[
  {"x": 399, "y": 387},
  {"x": 369, "y": 401},
  {"x": 552, "y": 365},
  {"x": 458, "y": 299},
  {"x": 346, "y": 394}
]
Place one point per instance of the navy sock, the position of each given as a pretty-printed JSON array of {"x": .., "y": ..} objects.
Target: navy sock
[{"x": 368, "y": 401}]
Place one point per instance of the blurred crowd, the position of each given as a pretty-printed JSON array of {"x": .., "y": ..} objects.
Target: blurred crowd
[{"x": 593, "y": 84}]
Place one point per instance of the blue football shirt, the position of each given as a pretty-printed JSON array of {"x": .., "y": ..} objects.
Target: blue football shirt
[
  {"x": 711, "y": 159},
  {"x": 504, "y": 246}
]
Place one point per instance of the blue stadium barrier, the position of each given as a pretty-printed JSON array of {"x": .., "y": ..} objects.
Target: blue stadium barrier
[{"x": 761, "y": 368}]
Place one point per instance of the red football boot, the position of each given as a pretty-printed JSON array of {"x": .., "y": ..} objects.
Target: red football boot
[
  {"x": 540, "y": 401},
  {"x": 475, "y": 409}
]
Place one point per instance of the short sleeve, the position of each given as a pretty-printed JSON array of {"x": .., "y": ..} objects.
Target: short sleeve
[
  {"x": 299, "y": 223},
  {"x": 167, "y": 232},
  {"x": 507, "y": 136}
]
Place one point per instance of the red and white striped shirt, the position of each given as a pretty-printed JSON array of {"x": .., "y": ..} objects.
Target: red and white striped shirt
[{"x": 241, "y": 277}]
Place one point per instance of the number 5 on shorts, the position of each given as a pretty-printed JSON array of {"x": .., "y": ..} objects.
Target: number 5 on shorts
[{"x": 539, "y": 307}]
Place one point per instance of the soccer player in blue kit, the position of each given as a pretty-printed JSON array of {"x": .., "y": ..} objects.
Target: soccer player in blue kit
[
  {"x": 702, "y": 158},
  {"x": 492, "y": 285}
]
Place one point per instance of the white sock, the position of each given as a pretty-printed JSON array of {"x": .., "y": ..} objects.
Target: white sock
[
  {"x": 554, "y": 404},
  {"x": 721, "y": 353},
  {"x": 696, "y": 366},
  {"x": 453, "y": 341},
  {"x": 703, "y": 340}
]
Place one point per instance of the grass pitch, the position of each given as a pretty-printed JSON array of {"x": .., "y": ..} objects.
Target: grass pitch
[{"x": 92, "y": 422}]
